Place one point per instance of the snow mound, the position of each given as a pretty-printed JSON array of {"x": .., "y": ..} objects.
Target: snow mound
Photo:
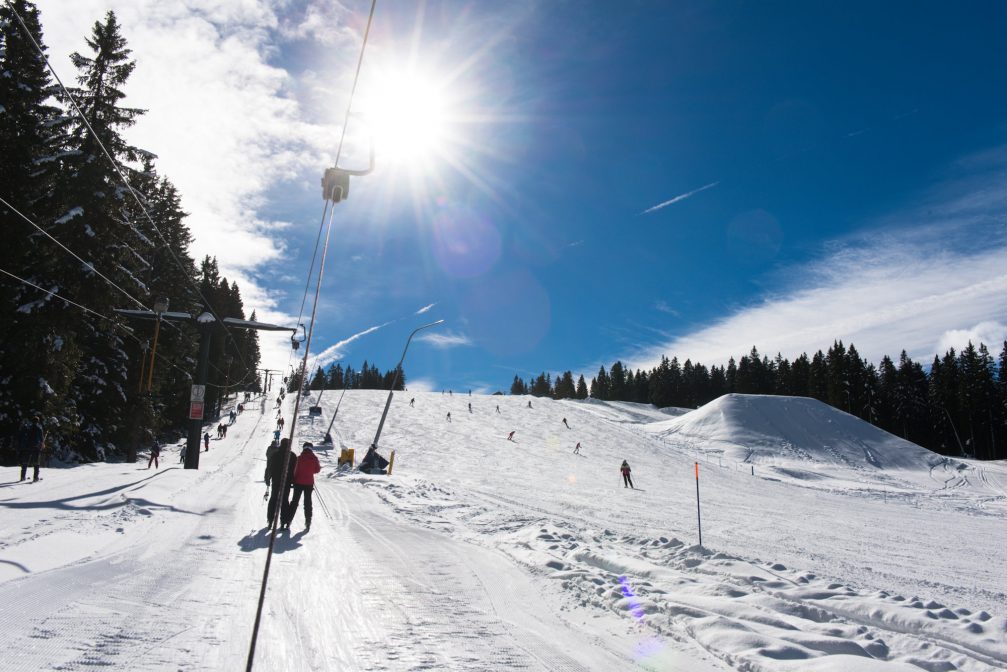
[{"x": 788, "y": 431}]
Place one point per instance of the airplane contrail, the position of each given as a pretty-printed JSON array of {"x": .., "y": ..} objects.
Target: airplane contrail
[{"x": 680, "y": 197}]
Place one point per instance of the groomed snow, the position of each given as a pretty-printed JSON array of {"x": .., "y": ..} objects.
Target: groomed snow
[{"x": 827, "y": 545}]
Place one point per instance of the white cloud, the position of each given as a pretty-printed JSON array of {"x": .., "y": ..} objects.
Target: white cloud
[
  {"x": 993, "y": 334},
  {"x": 926, "y": 279},
  {"x": 225, "y": 122},
  {"x": 447, "y": 339},
  {"x": 421, "y": 385},
  {"x": 425, "y": 308}
]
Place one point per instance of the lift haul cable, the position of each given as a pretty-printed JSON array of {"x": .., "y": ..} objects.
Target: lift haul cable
[{"x": 307, "y": 349}]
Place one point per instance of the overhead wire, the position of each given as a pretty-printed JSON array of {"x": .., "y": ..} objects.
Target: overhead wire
[
  {"x": 307, "y": 350},
  {"x": 91, "y": 266},
  {"x": 129, "y": 187},
  {"x": 91, "y": 311}
]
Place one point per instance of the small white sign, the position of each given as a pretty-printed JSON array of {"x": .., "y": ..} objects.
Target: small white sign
[{"x": 198, "y": 393}]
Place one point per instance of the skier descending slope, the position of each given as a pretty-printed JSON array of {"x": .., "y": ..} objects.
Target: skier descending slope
[
  {"x": 627, "y": 480},
  {"x": 304, "y": 482}
]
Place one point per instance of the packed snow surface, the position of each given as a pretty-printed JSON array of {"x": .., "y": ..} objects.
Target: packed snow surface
[{"x": 828, "y": 545}]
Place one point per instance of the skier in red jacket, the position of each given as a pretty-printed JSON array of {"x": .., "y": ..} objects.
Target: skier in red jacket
[{"x": 304, "y": 482}]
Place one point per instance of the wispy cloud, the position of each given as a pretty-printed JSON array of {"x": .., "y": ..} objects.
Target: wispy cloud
[
  {"x": 924, "y": 279},
  {"x": 445, "y": 340},
  {"x": 662, "y": 306},
  {"x": 576, "y": 243},
  {"x": 425, "y": 308},
  {"x": 334, "y": 352},
  {"x": 680, "y": 197}
]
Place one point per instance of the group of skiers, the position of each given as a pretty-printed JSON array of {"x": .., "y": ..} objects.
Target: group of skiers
[
  {"x": 624, "y": 468},
  {"x": 286, "y": 489}
]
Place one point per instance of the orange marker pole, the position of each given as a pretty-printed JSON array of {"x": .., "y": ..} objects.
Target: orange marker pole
[{"x": 699, "y": 518}]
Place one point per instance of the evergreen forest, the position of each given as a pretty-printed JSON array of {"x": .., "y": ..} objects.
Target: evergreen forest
[
  {"x": 91, "y": 226},
  {"x": 955, "y": 406}
]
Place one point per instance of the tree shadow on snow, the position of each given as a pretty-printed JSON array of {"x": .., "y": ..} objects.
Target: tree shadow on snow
[{"x": 254, "y": 541}]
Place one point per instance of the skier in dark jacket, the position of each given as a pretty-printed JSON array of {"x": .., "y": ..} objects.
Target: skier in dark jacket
[
  {"x": 627, "y": 480},
  {"x": 155, "y": 452},
  {"x": 304, "y": 482},
  {"x": 278, "y": 484},
  {"x": 30, "y": 441}
]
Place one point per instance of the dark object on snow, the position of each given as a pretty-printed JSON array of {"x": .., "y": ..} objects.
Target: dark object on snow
[
  {"x": 274, "y": 475},
  {"x": 627, "y": 480},
  {"x": 30, "y": 442},
  {"x": 315, "y": 410},
  {"x": 372, "y": 462}
]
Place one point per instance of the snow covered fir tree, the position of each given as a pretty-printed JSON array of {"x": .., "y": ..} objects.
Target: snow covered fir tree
[{"x": 83, "y": 244}]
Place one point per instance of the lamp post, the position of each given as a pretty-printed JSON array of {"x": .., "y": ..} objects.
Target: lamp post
[{"x": 395, "y": 380}]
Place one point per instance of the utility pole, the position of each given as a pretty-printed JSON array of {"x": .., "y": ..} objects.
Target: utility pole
[{"x": 204, "y": 324}]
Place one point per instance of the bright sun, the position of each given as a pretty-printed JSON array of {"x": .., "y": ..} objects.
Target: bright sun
[{"x": 410, "y": 116}]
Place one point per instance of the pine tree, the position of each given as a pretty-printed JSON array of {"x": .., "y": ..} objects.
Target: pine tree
[
  {"x": 95, "y": 225},
  {"x": 582, "y": 392},
  {"x": 565, "y": 388},
  {"x": 518, "y": 386},
  {"x": 38, "y": 355},
  {"x": 600, "y": 385}
]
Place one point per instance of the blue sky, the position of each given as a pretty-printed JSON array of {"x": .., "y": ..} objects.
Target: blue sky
[{"x": 841, "y": 168}]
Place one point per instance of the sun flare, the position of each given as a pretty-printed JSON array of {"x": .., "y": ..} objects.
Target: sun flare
[{"x": 410, "y": 115}]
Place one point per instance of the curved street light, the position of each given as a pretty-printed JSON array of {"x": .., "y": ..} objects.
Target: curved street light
[{"x": 395, "y": 380}]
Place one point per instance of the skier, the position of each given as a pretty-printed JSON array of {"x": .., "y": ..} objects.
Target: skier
[
  {"x": 470, "y": 407},
  {"x": 206, "y": 442},
  {"x": 449, "y": 416},
  {"x": 233, "y": 416},
  {"x": 223, "y": 429},
  {"x": 276, "y": 436},
  {"x": 576, "y": 449},
  {"x": 529, "y": 403},
  {"x": 412, "y": 402},
  {"x": 498, "y": 408},
  {"x": 279, "y": 424},
  {"x": 262, "y": 406},
  {"x": 155, "y": 451},
  {"x": 627, "y": 480},
  {"x": 304, "y": 482},
  {"x": 564, "y": 424},
  {"x": 220, "y": 431},
  {"x": 181, "y": 455},
  {"x": 510, "y": 437},
  {"x": 31, "y": 438},
  {"x": 277, "y": 480}
]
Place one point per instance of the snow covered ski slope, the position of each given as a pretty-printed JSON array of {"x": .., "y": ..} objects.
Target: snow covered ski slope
[{"x": 827, "y": 546}]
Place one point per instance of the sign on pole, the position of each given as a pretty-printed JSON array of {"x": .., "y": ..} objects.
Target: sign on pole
[
  {"x": 196, "y": 409},
  {"x": 198, "y": 393}
]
